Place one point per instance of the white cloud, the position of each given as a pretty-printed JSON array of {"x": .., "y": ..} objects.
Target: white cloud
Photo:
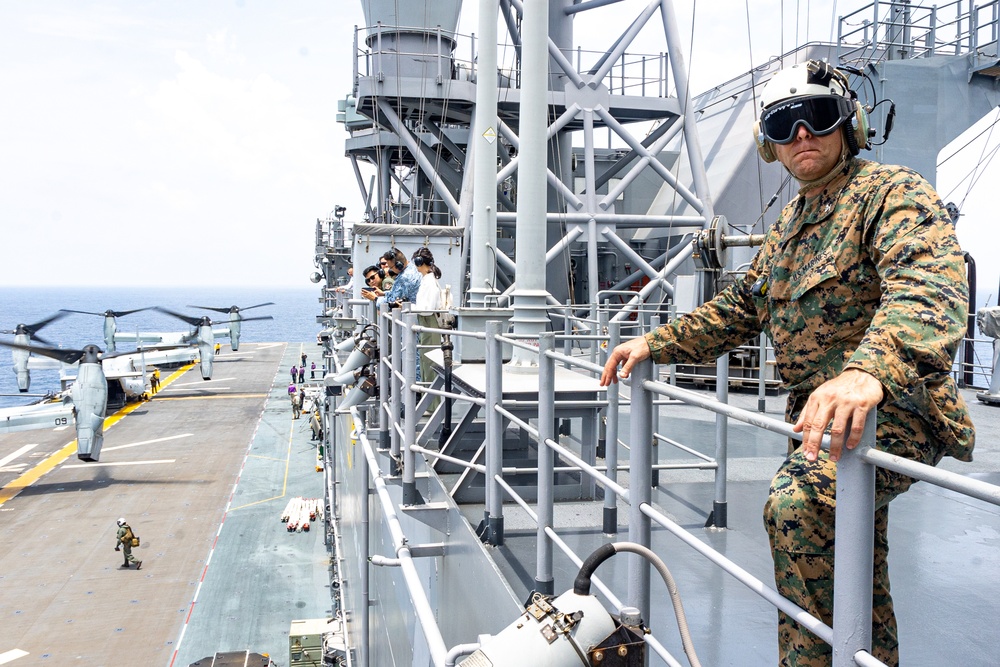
[{"x": 244, "y": 127}]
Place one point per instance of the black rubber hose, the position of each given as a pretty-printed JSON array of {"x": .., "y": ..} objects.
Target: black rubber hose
[{"x": 582, "y": 584}]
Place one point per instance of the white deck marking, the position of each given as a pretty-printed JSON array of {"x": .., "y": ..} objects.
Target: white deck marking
[
  {"x": 12, "y": 655},
  {"x": 118, "y": 463},
  {"x": 10, "y": 457},
  {"x": 145, "y": 442}
]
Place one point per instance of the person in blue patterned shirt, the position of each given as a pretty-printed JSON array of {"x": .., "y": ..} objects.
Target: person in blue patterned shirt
[{"x": 407, "y": 284}]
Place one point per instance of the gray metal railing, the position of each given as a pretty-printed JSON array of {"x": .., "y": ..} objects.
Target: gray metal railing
[
  {"x": 850, "y": 634},
  {"x": 896, "y": 30}
]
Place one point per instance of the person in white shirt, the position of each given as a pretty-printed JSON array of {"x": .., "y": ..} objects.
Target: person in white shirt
[{"x": 428, "y": 300}]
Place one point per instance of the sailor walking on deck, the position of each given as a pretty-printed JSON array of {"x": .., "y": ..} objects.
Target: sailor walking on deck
[
  {"x": 860, "y": 284},
  {"x": 315, "y": 426},
  {"x": 125, "y": 539},
  {"x": 296, "y": 397}
]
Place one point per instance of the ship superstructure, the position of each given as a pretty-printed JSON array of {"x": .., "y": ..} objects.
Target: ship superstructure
[{"x": 558, "y": 245}]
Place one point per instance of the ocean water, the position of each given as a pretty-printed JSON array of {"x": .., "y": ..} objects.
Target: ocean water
[{"x": 294, "y": 312}]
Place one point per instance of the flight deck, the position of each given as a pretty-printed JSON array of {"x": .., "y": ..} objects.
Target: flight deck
[{"x": 202, "y": 473}]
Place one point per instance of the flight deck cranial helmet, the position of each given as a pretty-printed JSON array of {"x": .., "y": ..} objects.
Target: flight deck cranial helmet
[
  {"x": 121, "y": 522},
  {"x": 813, "y": 94}
]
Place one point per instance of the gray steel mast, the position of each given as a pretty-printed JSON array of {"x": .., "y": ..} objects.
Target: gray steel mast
[{"x": 418, "y": 121}]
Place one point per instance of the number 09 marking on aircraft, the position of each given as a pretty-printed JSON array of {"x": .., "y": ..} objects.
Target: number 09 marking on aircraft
[{"x": 61, "y": 421}]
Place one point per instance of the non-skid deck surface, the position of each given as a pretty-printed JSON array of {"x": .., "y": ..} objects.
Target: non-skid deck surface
[{"x": 201, "y": 473}]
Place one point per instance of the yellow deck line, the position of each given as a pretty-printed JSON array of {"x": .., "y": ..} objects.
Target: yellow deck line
[
  {"x": 46, "y": 465},
  {"x": 284, "y": 484}
]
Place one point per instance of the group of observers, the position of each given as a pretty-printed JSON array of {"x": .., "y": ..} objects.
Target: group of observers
[{"x": 396, "y": 280}]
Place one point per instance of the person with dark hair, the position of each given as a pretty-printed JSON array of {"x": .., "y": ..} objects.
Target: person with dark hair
[
  {"x": 861, "y": 286},
  {"x": 406, "y": 284},
  {"x": 373, "y": 276},
  {"x": 427, "y": 303},
  {"x": 388, "y": 264}
]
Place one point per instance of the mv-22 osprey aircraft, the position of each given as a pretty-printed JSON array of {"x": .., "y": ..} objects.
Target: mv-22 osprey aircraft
[
  {"x": 175, "y": 347},
  {"x": 204, "y": 335},
  {"x": 87, "y": 404},
  {"x": 231, "y": 330},
  {"x": 23, "y": 335},
  {"x": 128, "y": 368}
]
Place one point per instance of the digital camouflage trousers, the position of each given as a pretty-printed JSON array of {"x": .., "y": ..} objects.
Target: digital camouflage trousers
[{"x": 800, "y": 519}]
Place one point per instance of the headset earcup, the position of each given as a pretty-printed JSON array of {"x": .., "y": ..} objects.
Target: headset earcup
[
  {"x": 764, "y": 147},
  {"x": 859, "y": 133}
]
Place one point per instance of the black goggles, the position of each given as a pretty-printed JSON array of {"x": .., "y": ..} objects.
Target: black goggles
[{"x": 821, "y": 115}]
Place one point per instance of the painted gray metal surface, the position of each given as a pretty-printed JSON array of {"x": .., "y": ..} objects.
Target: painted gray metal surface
[
  {"x": 736, "y": 177},
  {"x": 465, "y": 573}
]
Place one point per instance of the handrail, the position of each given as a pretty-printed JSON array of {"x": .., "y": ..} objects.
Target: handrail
[
  {"x": 914, "y": 31},
  {"x": 850, "y": 631}
]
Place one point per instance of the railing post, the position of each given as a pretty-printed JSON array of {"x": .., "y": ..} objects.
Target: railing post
[
  {"x": 380, "y": 73},
  {"x": 364, "y": 474},
  {"x": 640, "y": 491},
  {"x": 932, "y": 35},
  {"x": 410, "y": 494},
  {"x": 384, "y": 377},
  {"x": 654, "y": 421},
  {"x": 853, "y": 558},
  {"x": 544, "y": 581},
  {"x": 473, "y": 61},
  {"x": 875, "y": 24},
  {"x": 354, "y": 59},
  {"x": 761, "y": 380},
  {"x": 973, "y": 27},
  {"x": 395, "y": 391},
  {"x": 567, "y": 332},
  {"x": 672, "y": 368},
  {"x": 494, "y": 433},
  {"x": 719, "y": 516},
  {"x": 440, "y": 73},
  {"x": 593, "y": 345},
  {"x": 611, "y": 435}
]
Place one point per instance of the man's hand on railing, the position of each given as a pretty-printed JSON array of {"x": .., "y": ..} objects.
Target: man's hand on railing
[
  {"x": 847, "y": 397},
  {"x": 630, "y": 353}
]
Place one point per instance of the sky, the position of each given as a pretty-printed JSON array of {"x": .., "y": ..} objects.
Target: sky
[{"x": 194, "y": 143}]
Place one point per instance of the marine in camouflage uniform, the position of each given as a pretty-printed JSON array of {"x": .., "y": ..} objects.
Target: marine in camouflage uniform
[
  {"x": 866, "y": 275},
  {"x": 860, "y": 286}
]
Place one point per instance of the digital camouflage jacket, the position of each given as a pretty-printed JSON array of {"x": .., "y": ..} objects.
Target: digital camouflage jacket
[{"x": 869, "y": 275}]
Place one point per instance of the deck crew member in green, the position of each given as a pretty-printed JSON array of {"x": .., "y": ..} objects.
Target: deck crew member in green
[
  {"x": 123, "y": 543},
  {"x": 860, "y": 285}
]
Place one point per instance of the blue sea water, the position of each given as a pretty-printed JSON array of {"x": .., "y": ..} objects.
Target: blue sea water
[{"x": 294, "y": 312}]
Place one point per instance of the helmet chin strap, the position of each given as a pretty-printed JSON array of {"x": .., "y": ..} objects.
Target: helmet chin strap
[{"x": 839, "y": 168}]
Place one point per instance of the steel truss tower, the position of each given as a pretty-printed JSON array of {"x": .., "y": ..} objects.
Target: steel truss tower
[{"x": 416, "y": 117}]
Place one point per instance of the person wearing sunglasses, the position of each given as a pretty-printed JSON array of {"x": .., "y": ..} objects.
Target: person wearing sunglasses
[
  {"x": 860, "y": 285},
  {"x": 373, "y": 282}
]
